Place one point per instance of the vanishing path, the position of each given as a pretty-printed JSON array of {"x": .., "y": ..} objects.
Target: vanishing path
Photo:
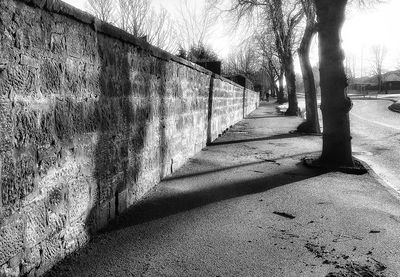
[{"x": 376, "y": 138}]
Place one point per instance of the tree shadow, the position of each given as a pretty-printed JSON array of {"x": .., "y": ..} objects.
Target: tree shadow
[
  {"x": 262, "y": 117},
  {"x": 178, "y": 176},
  {"x": 125, "y": 108},
  {"x": 280, "y": 136},
  {"x": 160, "y": 205}
]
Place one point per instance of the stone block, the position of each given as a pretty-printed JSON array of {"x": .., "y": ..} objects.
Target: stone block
[
  {"x": 31, "y": 259},
  {"x": 25, "y": 172},
  {"x": 75, "y": 236},
  {"x": 57, "y": 209},
  {"x": 11, "y": 238},
  {"x": 29, "y": 61},
  {"x": 122, "y": 201},
  {"x": 50, "y": 77},
  {"x": 102, "y": 215},
  {"x": 57, "y": 43},
  {"x": 52, "y": 252},
  {"x": 22, "y": 79},
  {"x": 63, "y": 112},
  {"x": 79, "y": 196},
  {"x": 7, "y": 271},
  {"x": 36, "y": 223},
  {"x": 74, "y": 42},
  {"x": 48, "y": 157}
]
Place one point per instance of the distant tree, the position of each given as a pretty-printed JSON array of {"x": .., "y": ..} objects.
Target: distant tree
[
  {"x": 271, "y": 63},
  {"x": 284, "y": 24},
  {"x": 378, "y": 56},
  {"x": 138, "y": 18},
  {"x": 350, "y": 68},
  {"x": 133, "y": 15},
  {"x": 182, "y": 53},
  {"x": 194, "y": 24},
  {"x": 198, "y": 53},
  {"x": 283, "y": 17},
  {"x": 102, "y": 9},
  {"x": 244, "y": 61}
]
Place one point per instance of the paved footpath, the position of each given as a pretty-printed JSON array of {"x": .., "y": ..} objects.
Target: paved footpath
[{"x": 245, "y": 206}]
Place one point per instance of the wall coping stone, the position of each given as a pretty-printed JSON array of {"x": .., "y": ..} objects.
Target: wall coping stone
[{"x": 62, "y": 8}]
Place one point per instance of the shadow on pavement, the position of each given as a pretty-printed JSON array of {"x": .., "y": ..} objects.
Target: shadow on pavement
[
  {"x": 178, "y": 176},
  {"x": 263, "y": 117},
  {"x": 166, "y": 204},
  {"x": 280, "y": 136}
]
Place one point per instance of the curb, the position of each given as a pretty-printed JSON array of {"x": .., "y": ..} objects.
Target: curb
[{"x": 379, "y": 179}]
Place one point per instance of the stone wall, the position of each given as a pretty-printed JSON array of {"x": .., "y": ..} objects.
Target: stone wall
[{"x": 91, "y": 119}]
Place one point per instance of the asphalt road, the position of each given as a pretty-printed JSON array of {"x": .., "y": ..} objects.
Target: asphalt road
[{"x": 376, "y": 136}]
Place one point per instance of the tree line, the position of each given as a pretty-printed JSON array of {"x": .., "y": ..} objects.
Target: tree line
[{"x": 280, "y": 29}]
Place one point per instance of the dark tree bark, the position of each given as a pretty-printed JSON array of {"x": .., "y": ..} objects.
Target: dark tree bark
[
  {"x": 272, "y": 74},
  {"x": 335, "y": 106},
  {"x": 290, "y": 76},
  {"x": 311, "y": 125},
  {"x": 281, "y": 93},
  {"x": 274, "y": 89}
]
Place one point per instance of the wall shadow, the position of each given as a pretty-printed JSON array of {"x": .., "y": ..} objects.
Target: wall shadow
[{"x": 123, "y": 112}]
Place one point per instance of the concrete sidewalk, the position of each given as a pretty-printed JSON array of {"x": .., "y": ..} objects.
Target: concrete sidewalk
[{"x": 245, "y": 206}]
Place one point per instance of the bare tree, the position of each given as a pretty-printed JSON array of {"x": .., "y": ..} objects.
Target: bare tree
[
  {"x": 139, "y": 18},
  {"x": 243, "y": 61},
  {"x": 102, "y": 9},
  {"x": 350, "y": 67},
  {"x": 284, "y": 27},
  {"x": 336, "y": 105},
  {"x": 284, "y": 18},
  {"x": 160, "y": 30},
  {"x": 311, "y": 125},
  {"x": 195, "y": 24},
  {"x": 271, "y": 63},
  {"x": 133, "y": 16},
  {"x": 378, "y": 56},
  {"x": 336, "y": 149}
]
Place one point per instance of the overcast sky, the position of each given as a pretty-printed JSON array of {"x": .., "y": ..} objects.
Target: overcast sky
[{"x": 361, "y": 31}]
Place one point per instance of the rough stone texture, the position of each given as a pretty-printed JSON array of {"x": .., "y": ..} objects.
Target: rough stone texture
[{"x": 90, "y": 120}]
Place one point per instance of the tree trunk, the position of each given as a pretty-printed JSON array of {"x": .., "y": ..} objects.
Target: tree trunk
[
  {"x": 336, "y": 149},
  {"x": 281, "y": 93},
  {"x": 274, "y": 89},
  {"x": 291, "y": 86},
  {"x": 272, "y": 75},
  {"x": 272, "y": 85},
  {"x": 311, "y": 125}
]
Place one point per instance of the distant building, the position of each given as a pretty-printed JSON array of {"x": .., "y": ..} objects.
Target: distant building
[
  {"x": 391, "y": 80},
  {"x": 241, "y": 80},
  {"x": 213, "y": 66}
]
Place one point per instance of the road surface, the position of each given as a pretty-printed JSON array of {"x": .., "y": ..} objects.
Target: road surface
[{"x": 376, "y": 138}]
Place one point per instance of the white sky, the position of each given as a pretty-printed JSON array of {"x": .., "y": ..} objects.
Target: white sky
[{"x": 362, "y": 29}]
